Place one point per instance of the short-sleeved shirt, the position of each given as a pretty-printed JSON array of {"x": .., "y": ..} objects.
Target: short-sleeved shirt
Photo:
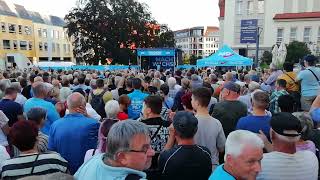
[
  {"x": 11, "y": 109},
  {"x": 52, "y": 114},
  {"x": 309, "y": 84},
  {"x": 274, "y": 107},
  {"x": 290, "y": 78},
  {"x": 255, "y": 123},
  {"x": 185, "y": 162},
  {"x": 210, "y": 135},
  {"x": 43, "y": 164},
  {"x": 136, "y": 97},
  {"x": 221, "y": 173},
  {"x": 228, "y": 113},
  {"x": 279, "y": 165}
]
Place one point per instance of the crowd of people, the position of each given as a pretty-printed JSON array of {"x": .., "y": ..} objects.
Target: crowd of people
[{"x": 217, "y": 124}]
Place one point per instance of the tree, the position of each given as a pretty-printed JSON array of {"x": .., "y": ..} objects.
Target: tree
[
  {"x": 266, "y": 57},
  {"x": 296, "y": 51},
  {"x": 193, "y": 59},
  {"x": 186, "y": 59},
  {"x": 112, "y": 28}
]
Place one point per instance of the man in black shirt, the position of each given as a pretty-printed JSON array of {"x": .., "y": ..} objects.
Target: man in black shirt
[
  {"x": 11, "y": 109},
  {"x": 186, "y": 160}
]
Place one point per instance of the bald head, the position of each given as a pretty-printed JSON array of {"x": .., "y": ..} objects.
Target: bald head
[{"x": 75, "y": 100}]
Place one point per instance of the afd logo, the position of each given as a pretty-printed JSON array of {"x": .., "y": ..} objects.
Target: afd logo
[{"x": 225, "y": 54}]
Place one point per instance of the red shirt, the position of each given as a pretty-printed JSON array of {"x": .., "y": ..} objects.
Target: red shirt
[{"x": 122, "y": 116}]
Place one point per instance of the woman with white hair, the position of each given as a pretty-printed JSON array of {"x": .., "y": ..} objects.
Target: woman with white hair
[
  {"x": 112, "y": 109},
  {"x": 173, "y": 87}
]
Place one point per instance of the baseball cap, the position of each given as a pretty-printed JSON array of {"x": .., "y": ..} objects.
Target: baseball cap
[
  {"x": 185, "y": 123},
  {"x": 286, "y": 124},
  {"x": 315, "y": 115},
  {"x": 232, "y": 87}
]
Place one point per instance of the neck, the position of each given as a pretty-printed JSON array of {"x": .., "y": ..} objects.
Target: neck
[
  {"x": 202, "y": 111},
  {"x": 258, "y": 112},
  {"x": 40, "y": 97},
  {"x": 153, "y": 116},
  {"x": 31, "y": 151},
  {"x": 289, "y": 148},
  {"x": 229, "y": 169},
  {"x": 7, "y": 97},
  {"x": 185, "y": 141}
]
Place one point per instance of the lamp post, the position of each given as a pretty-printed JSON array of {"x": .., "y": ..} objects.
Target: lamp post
[{"x": 259, "y": 31}]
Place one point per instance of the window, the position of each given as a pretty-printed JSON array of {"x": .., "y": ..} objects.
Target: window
[
  {"x": 45, "y": 46},
  {"x": 58, "y": 47},
  {"x": 57, "y": 34},
  {"x": 23, "y": 45},
  {"x": 20, "y": 29},
  {"x": 261, "y": 6},
  {"x": 53, "y": 47},
  {"x": 40, "y": 46},
  {"x": 15, "y": 44},
  {"x": 3, "y": 27},
  {"x": 250, "y": 7},
  {"x": 238, "y": 6},
  {"x": 62, "y": 35},
  {"x": 318, "y": 34},
  {"x": 30, "y": 45},
  {"x": 12, "y": 28},
  {"x": 45, "y": 33},
  {"x": 307, "y": 34},
  {"x": 52, "y": 33},
  {"x": 27, "y": 30},
  {"x": 279, "y": 35},
  {"x": 69, "y": 48},
  {"x": 6, "y": 44},
  {"x": 64, "y": 48},
  {"x": 39, "y": 32},
  {"x": 293, "y": 34}
]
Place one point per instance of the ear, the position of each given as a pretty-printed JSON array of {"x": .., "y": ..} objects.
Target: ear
[{"x": 122, "y": 159}]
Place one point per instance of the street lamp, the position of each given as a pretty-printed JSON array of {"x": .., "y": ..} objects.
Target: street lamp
[{"x": 257, "y": 46}]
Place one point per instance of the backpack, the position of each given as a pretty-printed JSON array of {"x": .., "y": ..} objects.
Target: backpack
[{"x": 97, "y": 103}]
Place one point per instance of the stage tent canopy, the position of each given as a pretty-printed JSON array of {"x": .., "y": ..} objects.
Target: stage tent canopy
[{"x": 225, "y": 57}]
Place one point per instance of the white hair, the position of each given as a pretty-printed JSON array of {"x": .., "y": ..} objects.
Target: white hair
[
  {"x": 172, "y": 82},
  {"x": 239, "y": 139},
  {"x": 112, "y": 109}
]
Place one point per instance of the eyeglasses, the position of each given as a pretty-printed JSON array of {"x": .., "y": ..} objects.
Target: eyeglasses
[{"x": 145, "y": 148}]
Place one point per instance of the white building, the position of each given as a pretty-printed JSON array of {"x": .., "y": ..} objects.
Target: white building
[
  {"x": 199, "y": 41},
  {"x": 279, "y": 20}
]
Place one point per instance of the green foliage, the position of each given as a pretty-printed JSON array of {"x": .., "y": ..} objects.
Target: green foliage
[
  {"x": 186, "y": 59},
  {"x": 107, "y": 28},
  {"x": 193, "y": 59},
  {"x": 296, "y": 50}
]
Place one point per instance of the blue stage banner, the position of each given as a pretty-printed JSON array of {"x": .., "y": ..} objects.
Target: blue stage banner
[
  {"x": 163, "y": 62},
  {"x": 156, "y": 52},
  {"x": 249, "y": 31}
]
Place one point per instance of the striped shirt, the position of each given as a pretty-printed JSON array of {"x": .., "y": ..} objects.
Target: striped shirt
[
  {"x": 33, "y": 164},
  {"x": 303, "y": 165}
]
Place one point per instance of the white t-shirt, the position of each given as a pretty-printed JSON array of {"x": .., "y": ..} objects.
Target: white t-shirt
[
  {"x": 303, "y": 165},
  {"x": 3, "y": 121}
]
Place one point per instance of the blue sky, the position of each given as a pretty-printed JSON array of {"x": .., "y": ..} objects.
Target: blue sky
[{"x": 178, "y": 14}]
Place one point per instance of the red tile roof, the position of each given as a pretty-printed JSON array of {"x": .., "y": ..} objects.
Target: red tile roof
[{"x": 297, "y": 15}]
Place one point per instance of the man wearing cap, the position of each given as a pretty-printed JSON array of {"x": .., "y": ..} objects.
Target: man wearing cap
[
  {"x": 309, "y": 79},
  {"x": 229, "y": 110},
  {"x": 186, "y": 160},
  {"x": 285, "y": 162}
]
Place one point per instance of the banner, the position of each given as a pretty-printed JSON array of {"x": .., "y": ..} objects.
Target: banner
[
  {"x": 249, "y": 31},
  {"x": 162, "y": 62}
]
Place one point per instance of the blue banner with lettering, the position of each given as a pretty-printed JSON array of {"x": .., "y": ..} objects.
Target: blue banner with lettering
[
  {"x": 156, "y": 52},
  {"x": 164, "y": 62},
  {"x": 249, "y": 31}
]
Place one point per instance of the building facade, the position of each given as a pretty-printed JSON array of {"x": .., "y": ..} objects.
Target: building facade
[
  {"x": 29, "y": 36},
  {"x": 278, "y": 21},
  {"x": 198, "y": 41}
]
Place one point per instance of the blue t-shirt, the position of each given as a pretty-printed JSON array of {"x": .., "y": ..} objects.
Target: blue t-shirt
[
  {"x": 255, "y": 123},
  {"x": 309, "y": 84},
  {"x": 72, "y": 136},
  {"x": 168, "y": 103},
  {"x": 135, "y": 107},
  {"x": 220, "y": 173},
  {"x": 52, "y": 114}
]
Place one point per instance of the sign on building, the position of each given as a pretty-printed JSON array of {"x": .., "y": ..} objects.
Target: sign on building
[{"x": 249, "y": 31}]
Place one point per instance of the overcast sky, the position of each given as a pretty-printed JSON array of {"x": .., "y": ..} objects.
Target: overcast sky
[{"x": 178, "y": 14}]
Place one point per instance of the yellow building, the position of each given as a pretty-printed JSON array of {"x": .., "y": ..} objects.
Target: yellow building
[{"x": 27, "y": 36}]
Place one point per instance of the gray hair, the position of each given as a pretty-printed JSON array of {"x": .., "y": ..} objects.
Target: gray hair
[
  {"x": 112, "y": 109},
  {"x": 39, "y": 89},
  {"x": 121, "y": 135},
  {"x": 4, "y": 84},
  {"x": 16, "y": 86},
  {"x": 75, "y": 100},
  {"x": 36, "y": 114},
  {"x": 239, "y": 139},
  {"x": 171, "y": 82}
]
